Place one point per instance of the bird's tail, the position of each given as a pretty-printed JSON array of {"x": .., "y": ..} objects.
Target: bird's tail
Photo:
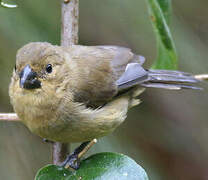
[{"x": 167, "y": 79}]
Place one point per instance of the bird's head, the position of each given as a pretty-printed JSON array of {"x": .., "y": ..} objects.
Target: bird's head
[
  {"x": 39, "y": 65},
  {"x": 39, "y": 73}
]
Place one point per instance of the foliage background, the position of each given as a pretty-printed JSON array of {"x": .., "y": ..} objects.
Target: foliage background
[{"x": 167, "y": 134}]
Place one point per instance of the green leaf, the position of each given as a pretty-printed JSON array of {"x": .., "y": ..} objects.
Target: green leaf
[
  {"x": 160, "y": 11},
  {"x": 102, "y": 166},
  {"x": 5, "y": 5},
  {"x": 166, "y": 8}
]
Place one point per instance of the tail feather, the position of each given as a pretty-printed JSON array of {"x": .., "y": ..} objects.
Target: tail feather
[
  {"x": 171, "y": 76},
  {"x": 167, "y": 79},
  {"x": 170, "y": 86},
  {"x": 135, "y": 74},
  {"x": 173, "y": 72}
]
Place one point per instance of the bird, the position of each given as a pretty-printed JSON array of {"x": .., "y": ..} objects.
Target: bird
[{"x": 78, "y": 93}]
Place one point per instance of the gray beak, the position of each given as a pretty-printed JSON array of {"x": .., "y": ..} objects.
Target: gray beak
[{"x": 28, "y": 79}]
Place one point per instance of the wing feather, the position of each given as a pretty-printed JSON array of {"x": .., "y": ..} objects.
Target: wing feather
[{"x": 109, "y": 69}]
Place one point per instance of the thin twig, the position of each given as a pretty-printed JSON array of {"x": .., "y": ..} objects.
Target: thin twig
[
  {"x": 9, "y": 117},
  {"x": 84, "y": 151},
  {"x": 60, "y": 152},
  {"x": 201, "y": 77},
  {"x": 69, "y": 36},
  {"x": 5, "y": 5},
  {"x": 70, "y": 17}
]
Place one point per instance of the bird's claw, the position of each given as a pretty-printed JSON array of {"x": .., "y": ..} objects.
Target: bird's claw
[{"x": 72, "y": 161}]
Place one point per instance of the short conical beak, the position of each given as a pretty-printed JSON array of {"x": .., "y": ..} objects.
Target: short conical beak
[{"x": 28, "y": 79}]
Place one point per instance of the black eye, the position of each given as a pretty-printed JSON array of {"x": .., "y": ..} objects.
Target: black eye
[
  {"x": 15, "y": 67},
  {"x": 49, "y": 68}
]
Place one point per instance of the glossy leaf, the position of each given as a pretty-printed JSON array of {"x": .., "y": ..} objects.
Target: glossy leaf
[
  {"x": 160, "y": 11},
  {"x": 102, "y": 166}
]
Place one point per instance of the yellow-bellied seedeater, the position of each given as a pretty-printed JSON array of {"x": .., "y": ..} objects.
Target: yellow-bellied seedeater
[{"x": 78, "y": 93}]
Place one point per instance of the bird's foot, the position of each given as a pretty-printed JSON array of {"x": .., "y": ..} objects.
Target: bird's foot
[{"x": 73, "y": 160}]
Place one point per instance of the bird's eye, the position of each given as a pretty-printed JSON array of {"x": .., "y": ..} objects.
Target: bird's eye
[
  {"x": 15, "y": 68},
  {"x": 49, "y": 68}
]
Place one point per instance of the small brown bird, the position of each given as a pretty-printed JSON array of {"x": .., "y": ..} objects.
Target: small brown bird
[{"x": 78, "y": 93}]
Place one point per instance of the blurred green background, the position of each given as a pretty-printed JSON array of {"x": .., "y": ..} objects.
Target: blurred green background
[{"x": 167, "y": 134}]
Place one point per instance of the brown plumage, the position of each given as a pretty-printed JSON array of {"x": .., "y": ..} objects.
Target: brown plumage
[{"x": 71, "y": 94}]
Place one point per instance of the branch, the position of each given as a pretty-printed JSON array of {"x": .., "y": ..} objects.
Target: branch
[
  {"x": 5, "y": 5},
  {"x": 69, "y": 36},
  {"x": 9, "y": 117},
  {"x": 70, "y": 14},
  {"x": 201, "y": 77}
]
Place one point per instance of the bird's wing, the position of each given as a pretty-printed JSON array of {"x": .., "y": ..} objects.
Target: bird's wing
[
  {"x": 121, "y": 58},
  {"x": 103, "y": 71},
  {"x": 127, "y": 66}
]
